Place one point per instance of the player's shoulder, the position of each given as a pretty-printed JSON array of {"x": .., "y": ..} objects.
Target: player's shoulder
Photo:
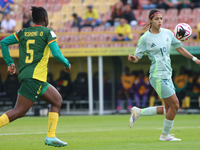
[
  {"x": 144, "y": 36},
  {"x": 167, "y": 31}
]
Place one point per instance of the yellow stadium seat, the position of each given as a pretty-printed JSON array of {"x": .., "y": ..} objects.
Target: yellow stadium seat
[
  {"x": 67, "y": 8},
  {"x": 57, "y": 25},
  {"x": 58, "y": 16},
  {"x": 18, "y": 25},
  {"x": 76, "y": 2},
  {"x": 104, "y": 8}
]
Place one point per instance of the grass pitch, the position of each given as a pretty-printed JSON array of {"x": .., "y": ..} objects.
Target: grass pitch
[{"x": 102, "y": 133}]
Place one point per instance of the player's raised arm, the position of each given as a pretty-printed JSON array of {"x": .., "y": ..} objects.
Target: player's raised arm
[
  {"x": 185, "y": 53},
  {"x": 59, "y": 56},
  {"x": 6, "y": 54}
]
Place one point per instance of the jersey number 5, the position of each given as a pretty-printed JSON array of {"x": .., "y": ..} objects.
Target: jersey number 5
[{"x": 29, "y": 59}]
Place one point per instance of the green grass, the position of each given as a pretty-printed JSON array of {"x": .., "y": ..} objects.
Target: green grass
[{"x": 102, "y": 133}]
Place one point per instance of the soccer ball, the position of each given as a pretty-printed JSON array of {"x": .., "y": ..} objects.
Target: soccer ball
[{"x": 182, "y": 31}]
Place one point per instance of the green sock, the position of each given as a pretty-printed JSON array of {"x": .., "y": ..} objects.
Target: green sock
[
  {"x": 149, "y": 111},
  {"x": 167, "y": 126}
]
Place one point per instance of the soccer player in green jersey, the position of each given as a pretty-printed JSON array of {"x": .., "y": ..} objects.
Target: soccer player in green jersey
[
  {"x": 35, "y": 44},
  {"x": 156, "y": 42}
]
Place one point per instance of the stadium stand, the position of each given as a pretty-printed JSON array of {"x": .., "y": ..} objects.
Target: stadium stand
[{"x": 60, "y": 20}]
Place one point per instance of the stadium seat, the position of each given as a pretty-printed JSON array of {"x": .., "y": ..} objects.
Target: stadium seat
[
  {"x": 40, "y": 2},
  {"x": 172, "y": 12},
  {"x": 99, "y": 29},
  {"x": 110, "y": 29},
  {"x": 86, "y": 29},
  {"x": 64, "y": 2},
  {"x": 74, "y": 29},
  {"x": 185, "y": 12},
  {"x": 102, "y": 45},
  {"x": 80, "y": 86},
  {"x": 53, "y": 2}
]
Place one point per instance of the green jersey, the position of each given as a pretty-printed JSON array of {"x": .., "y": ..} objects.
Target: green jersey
[
  {"x": 34, "y": 51},
  {"x": 157, "y": 47}
]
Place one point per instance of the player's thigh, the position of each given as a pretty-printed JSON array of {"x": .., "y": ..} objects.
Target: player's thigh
[
  {"x": 52, "y": 95},
  {"x": 23, "y": 104}
]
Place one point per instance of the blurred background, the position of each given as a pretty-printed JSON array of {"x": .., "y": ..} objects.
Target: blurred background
[{"x": 97, "y": 36}]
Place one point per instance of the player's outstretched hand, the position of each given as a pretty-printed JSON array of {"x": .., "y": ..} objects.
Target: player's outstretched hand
[
  {"x": 131, "y": 58},
  {"x": 11, "y": 69},
  {"x": 68, "y": 69},
  {"x": 197, "y": 62}
]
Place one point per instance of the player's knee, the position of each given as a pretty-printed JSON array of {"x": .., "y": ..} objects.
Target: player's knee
[
  {"x": 176, "y": 106},
  {"x": 59, "y": 101}
]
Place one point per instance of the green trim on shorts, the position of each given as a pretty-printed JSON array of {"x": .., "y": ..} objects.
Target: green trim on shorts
[
  {"x": 155, "y": 69},
  {"x": 158, "y": 86},
  {"x": 43, "y": 90}
]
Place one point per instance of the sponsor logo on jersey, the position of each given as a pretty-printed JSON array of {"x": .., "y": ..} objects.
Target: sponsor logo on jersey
[
  {"x": 167, "y": 40},
  {"x": 152, "y": 45}
]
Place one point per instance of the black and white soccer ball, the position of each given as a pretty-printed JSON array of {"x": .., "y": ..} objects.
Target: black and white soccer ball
[{"x": 182, "y": 31}]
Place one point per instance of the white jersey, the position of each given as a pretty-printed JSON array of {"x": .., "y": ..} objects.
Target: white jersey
[{"x": 157, "y": 47}]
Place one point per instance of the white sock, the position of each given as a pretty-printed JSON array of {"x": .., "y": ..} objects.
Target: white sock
[
  {"x": 149, "y": 111},
  {"x": 167, "y": 126}
]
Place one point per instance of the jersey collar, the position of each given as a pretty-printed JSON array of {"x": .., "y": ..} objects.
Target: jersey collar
[{"x": 37, "y": 25}]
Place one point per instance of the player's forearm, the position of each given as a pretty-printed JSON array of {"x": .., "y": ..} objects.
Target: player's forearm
[
  {"x": 184, "y": 52},
  {"x": 5, "y": 51},
  {"x": 58, "y": 55}
]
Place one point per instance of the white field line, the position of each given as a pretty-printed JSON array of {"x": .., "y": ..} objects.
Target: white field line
[{"x": 93, "y": 130}]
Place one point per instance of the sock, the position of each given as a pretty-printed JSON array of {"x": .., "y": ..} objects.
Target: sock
[
  {"x": 129, "y": 102},
  {"x": 4, "y": 120},
  {"x": 151, "y": 101},
  {"x": 187, "y": 101},
  {"x": 149, "y": 111},
  {"x": 167, "y": 126},
  {"x": 52, "y": 123},
  {"x": 119, "y": 103},
  {"x": 199, "y": 101}
]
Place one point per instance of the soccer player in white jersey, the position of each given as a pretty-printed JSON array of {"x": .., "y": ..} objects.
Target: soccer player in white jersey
[{"x": 156, "y": 43}]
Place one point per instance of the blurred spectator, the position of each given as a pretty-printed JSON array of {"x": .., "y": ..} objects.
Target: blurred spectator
[
  {"x": 126, "y": 85},
  {"x": 193, "y": 90},
  {"x": 123, "y": 32},
  {"x": 181, "y": 83},
  {"x": 91, "y": 17},
  {"x": 151, "y": 4},
  {"x": 134, "y": 3},
  {"x": 5, "y": 6},
  {"x": 117, "y": 13},
  {"x": 64, "y": 84},
  {"x": 129, "y": 16},
  {"x": 27, "y": 22},
  {"x": 166, "y": 4},
  {"x": 141, "y": 89},
  {"x": 8, "y": 24},
  {"x": 195, "y": 3},
  {"x": 50, "y": 79},
  {"x": 77, "y": 21}
]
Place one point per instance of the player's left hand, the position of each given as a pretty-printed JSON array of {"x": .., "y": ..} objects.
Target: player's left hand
[
  {"x": 68, "y": 69},
  {"x": 197, "y": 62},
  {"x": 11, "y": 69}
]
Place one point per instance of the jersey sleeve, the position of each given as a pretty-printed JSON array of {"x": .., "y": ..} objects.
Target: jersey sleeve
[
  {"x": 175, "y": 42},
  {"x": 4, "y": 47},
  {"x": 141, "y": 47},
  {"x": 57, "y": 54},
  {"x": 51, "y": 37}
]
